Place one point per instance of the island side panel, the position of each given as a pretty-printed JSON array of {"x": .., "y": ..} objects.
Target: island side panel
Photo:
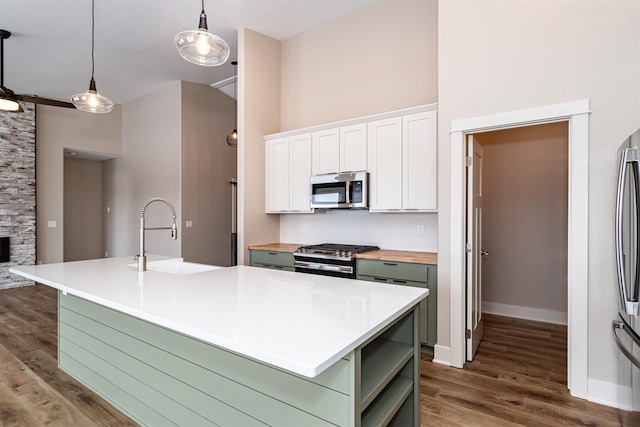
[{"x": 160, "y": 377}]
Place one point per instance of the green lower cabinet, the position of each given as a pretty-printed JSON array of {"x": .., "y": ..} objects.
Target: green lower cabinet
[
  {"x": 271, "y": 259},
  {"x": 408, "y": 274},
  {"x": 159, "y": 377}
]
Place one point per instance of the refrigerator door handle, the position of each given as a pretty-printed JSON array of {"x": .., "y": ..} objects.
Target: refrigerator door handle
[
  {"x": 617, "y": 325},
  {"x": 629, "y": 304}
]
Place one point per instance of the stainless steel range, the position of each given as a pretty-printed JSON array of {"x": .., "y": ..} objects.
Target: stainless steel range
[{"x": 329, "y": 259}]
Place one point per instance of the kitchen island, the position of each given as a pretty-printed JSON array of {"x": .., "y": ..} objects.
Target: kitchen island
[{"x": 238, "y": 345}]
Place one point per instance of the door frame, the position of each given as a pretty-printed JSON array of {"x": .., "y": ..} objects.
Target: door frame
[{"x": 577, "y": 115}]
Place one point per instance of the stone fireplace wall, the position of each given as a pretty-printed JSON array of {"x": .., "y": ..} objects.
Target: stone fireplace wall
[{"x": 18, "y": 191}]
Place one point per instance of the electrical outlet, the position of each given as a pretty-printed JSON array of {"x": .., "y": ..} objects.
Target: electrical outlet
[
  {"x": 189, "y": 224},
  {"x": 420, "y": 230}
]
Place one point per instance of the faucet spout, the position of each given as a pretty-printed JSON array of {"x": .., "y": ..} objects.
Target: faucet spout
[{"x": 142, "y": 258}]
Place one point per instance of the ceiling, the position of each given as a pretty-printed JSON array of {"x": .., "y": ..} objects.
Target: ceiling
[{"x": 49, "y": 51}]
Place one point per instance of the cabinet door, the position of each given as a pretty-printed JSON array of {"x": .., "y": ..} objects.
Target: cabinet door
[
  {"x": 277, "y": 175},
  {"x": 300, "y": 168},
  {"x": 384, "y": 147},
  {"x": 353, "y": 148},
  {"x": 419, "y": 161},
  {"x": 326, "y": 151}
]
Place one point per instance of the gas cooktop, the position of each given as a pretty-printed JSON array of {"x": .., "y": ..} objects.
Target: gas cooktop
[{"x": 334, "y": 250}]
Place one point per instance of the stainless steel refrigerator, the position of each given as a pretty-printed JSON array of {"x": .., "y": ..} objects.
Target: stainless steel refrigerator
[{"x": 626, "y": 328}]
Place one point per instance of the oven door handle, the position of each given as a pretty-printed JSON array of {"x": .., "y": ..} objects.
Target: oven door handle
[
  {"x": 616, "y": 325},
  {"x": 323, "y": 267}
]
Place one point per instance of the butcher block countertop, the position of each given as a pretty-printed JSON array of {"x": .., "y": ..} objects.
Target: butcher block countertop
[
  {"x": 401, "y": 256},
  {"x": 276, "y": 247},
  {"x": 379, "y": 255}
]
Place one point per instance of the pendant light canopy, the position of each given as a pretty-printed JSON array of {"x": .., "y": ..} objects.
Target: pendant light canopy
[
  {"x": 232, "y": 138},
  {"x": 91, "y": 101},
  {"x": 200, "y": 47}
]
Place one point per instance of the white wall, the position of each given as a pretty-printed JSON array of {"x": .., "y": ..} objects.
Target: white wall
[
  {"x": 259, "y": 115},
  {"x": 56, "y": 129},
  {"x": 524, "y": 222},
  {"x": 498, "y": 56},
  {"x": 386, "y": 230},
  {"x": 149, "y": 167},
  {"x": 377, "y": 59}
]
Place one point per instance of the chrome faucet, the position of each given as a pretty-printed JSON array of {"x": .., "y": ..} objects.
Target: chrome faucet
[{"x": 141, "y": 257}]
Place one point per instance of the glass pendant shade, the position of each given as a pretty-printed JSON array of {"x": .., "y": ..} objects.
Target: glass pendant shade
[
  {"x": 10, "y": 105},
  {"x": 91, "y": 101},
  {"x": 200, "y": 47}
]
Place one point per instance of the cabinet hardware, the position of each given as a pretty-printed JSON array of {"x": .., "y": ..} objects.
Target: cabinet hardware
[
  {"x": 390, "y": 263},
  {"x": 399, "y": 281},
  {"x": 380, "y": 279}
]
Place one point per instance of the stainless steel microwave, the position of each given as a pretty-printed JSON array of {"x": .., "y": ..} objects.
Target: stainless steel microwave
[{"x": 347, "y": 190}]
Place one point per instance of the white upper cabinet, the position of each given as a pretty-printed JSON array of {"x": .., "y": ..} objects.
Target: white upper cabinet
[
  {"x": 419, "y": 161},
  {"x": 353, "y": 148},
  {"x": 277, "y": 171},
  {"x": 326, "y": 151},
  {"x": 288, "y": 170},
  {"x": 385, "y": 164},
  {"x": 341, "y": 149},
  {"x": 397, "y": 148},
  {"x": 402, "y": 163},
  {"x": 300, "y": 187}
]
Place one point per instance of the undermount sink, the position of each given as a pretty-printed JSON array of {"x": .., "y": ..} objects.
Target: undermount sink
[{"x": 178, "y": 267}]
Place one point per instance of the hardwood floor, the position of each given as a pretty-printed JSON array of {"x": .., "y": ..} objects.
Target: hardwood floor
[{"x": 518, "y": 376}]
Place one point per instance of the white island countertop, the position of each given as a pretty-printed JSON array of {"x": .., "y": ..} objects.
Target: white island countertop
[{"x": 300, "y": 322}]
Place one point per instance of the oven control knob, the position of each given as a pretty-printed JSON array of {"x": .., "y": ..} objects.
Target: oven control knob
[
  {"x": 349, "y": 254},
  {"x": 337, "y": 253}
]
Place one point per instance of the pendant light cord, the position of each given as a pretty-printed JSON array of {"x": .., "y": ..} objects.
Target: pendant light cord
[
  {"x": 2, "y": 64},
  {"x": 93, "y": 30}
]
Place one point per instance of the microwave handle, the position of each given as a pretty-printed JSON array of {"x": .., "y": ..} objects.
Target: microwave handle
[{"x": 348, "y": 192}]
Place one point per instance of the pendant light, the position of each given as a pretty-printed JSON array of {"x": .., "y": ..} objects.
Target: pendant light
[
  {"x": 200, "y": 47},
  {"x": 7, "y": 97},
  {"x": 232, "y": 138},
  {"x": 91, "y": 101}
]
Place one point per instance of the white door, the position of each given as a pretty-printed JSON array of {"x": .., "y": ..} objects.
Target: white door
[{"x": 474, "y": 246}]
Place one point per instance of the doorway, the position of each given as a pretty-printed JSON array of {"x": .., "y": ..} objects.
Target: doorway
[
  {"x": 577, "y": 115},
  {"x": 523, "y": 255}
]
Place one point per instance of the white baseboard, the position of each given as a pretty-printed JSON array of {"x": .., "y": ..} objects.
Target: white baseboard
[
  {"x": 528, "y": 313},
  {"x": 442, "y": 355},
  {"x": 609, "y": 394}
]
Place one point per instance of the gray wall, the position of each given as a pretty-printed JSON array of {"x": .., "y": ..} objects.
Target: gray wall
[
  {"x": 174, "y": 146},
  {"x": 82, "y": 209},
  {"x": 525, "y": 221},
  {"x": 149, "y": 167},
  {"x": 59, "y": 129},
  {"x": 208, "y": 165},
  {"x": 18, "y": 191}
]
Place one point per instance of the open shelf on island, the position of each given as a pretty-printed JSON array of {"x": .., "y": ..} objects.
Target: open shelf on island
[
  {"x": 381, "y": 361},
  {"x": 391, "y": 400}
]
